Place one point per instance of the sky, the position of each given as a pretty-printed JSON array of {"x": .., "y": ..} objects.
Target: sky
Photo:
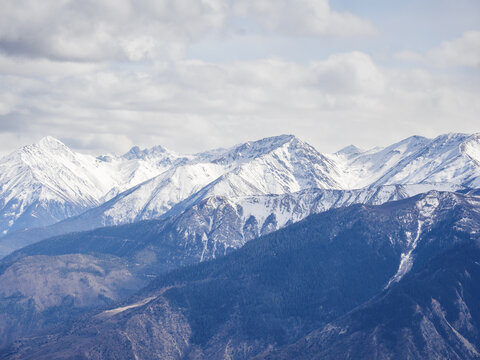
[{"x": 192, "y": 75}]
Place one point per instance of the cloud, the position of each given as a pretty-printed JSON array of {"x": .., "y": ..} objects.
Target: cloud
[
  {"x": 192, "y": 105},
  {"x": 349, "y": 73},
  {"x": 302, "y": 17},
  {"x": 105, "y": 75},
  {"x": 105, "y": 30},
  {"x": 463, "y": 51},
  {"x": 137, "y": 30}
]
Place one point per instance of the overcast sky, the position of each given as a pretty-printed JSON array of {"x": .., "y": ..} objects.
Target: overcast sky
[{"x": 104, "y": 75}]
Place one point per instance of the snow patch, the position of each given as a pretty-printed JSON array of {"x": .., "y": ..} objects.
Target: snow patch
[
  {"x": 118, "y": 310},
  {"x": 406, "y": 261}
]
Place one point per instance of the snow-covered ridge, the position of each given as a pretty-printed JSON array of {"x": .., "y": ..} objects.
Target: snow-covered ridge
[
  {"x": 451, "y": 158},
  {"x": 223, "y": 224},
  {"x": 44, "y": 183}
]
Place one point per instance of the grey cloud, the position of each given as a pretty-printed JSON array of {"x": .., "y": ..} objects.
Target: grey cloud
[
  {"x": 190, "y": 106},
  {"x": 463, "y": 51},
  {"x": 105, "y": 75},
  {"x": 134, "y": 30},
  {"x": 105, "y": 30},
  {"x": 349, "y": 73}
]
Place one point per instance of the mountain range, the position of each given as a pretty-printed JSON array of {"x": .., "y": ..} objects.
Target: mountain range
[
  {"x": 325, "y": 281},
  {"x": 267, "y": 249},
  {"x": 45, "y": 183}
]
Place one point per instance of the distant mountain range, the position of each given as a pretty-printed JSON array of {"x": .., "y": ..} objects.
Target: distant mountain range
[
  {"x": 45, "y": 183},
  {"x": 101, "y": 254}
]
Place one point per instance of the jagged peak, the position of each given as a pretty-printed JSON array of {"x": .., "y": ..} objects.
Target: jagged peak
[
  {"x": 284, "y": 138},
  {"x": 412, "y": 139},
  {"x": 45, "y": 145},
  {"x": 267, "y": 142},
  {"x": 409, "y": 143},
  {"x": 452, "y": 136},
  {"x": 134, "y": 152},
  {"x": 349, "y": 150},
  {"x": 50, "y": 142},
  {"x": 157, "y": 151},
  {"x": 470, "y": 147},
  {"x": 251, "y": 149},
  {"x": 450, "y": 141}
]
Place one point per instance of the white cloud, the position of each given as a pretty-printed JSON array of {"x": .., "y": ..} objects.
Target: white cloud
[
  {"x": 134, "y": 30},
  {"x": 194, "y": 105},
  {"x": 463, "y": 51},
  {"x": 107, "y": 29},
  {"x": 105, "y": 75},
  {"x": 349, "y": 73},
  {"x": 300, "y": 17}
]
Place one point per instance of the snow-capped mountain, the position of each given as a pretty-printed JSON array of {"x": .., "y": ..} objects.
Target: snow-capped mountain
[
  {"x": 222, "y": 224},
  {"x": 278, "y": 165},
  {"x": 137, "y": 166},
  {"x": 251, "y": 173},
  {"x": 451, "y": 158},
  {"x": 46, "y": 182},
  {"x": 285, "y": 165},
  {"x": 265, "y": 185},
  {"x": 212, "y": 203}
]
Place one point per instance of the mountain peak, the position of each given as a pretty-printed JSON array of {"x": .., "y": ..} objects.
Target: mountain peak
[
  {"x": 50, "y": 142},
  {"x": 268, "y": 142},
  {"x": 283, "y": 137},
  {"x": 414, "y": 139},
  {"x": 156, "y": 151},
  {"x": 349, "y": 150},
  {"x": 272, "y": 142},
  {"x": 247, "y": 150},
  {"x": 453, "y": 135},
  {"x": 46, "y": 145},
  {"x": 134, "y": 152}
]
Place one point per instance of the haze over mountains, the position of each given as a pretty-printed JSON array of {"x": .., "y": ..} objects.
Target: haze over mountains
[{"x": 81, "y": 233}]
